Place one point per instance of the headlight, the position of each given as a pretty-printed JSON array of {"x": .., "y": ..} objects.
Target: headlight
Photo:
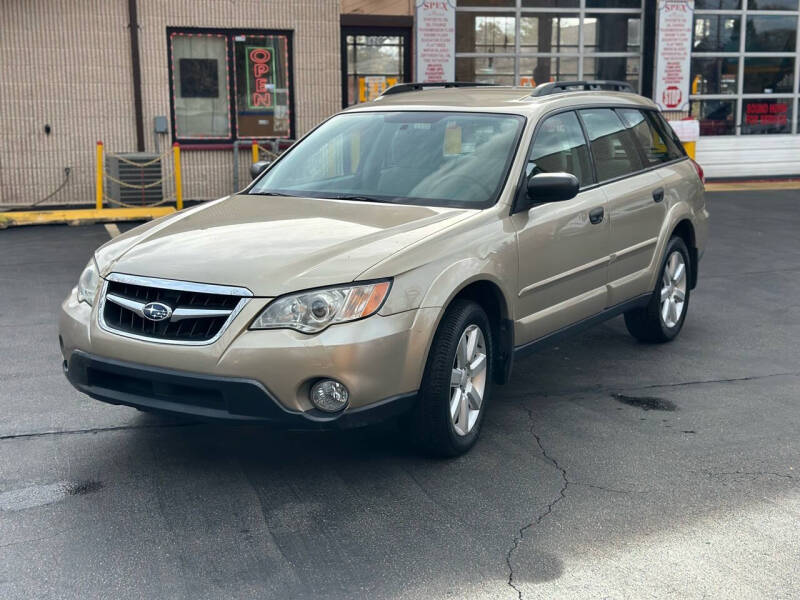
[
  {"x": 88, "y": 283},
  {"x": 313, "y": 311}
]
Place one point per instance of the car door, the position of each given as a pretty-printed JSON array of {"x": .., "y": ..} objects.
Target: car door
[
  {"x": 634, "y": 196},
  {"x": 563, "y": 246}
]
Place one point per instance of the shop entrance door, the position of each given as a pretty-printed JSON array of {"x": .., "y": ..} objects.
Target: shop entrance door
[{"x": 373, "y": 58}]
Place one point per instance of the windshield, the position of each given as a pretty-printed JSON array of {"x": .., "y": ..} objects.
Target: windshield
[{"x": 430, "y": 158}]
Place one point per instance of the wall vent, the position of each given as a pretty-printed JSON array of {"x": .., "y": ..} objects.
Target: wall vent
[{"x": 145, "y": 175}]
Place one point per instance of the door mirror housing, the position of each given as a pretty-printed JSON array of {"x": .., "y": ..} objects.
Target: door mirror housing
[
  {"x": 258, "y": 167},
  {"x": 549, "y": 187}
]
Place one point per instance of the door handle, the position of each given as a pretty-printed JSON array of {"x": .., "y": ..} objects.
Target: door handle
[
  {"x": 596, "y": 215},
  {"x": 658, "y": 194}
]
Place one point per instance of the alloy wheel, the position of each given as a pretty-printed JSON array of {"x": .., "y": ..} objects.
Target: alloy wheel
[
  {"x": 468, "y": 380},
  {"x": 673, "y": 289}
]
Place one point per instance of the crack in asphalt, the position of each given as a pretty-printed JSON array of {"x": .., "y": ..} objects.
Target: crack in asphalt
[
  {"x": 36, "y": 434},
  {"x": 752, "y": 474},
  {"x": 608, "y": 489},
  {"x": 562, "y": 493}
]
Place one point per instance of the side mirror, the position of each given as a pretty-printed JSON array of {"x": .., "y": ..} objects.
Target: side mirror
[
  {"x": 548, "y": 187},
  {"x": 258, "y": 167}
]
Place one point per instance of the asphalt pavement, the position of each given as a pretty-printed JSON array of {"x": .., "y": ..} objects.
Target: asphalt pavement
[{"x": 606, "y": 468}]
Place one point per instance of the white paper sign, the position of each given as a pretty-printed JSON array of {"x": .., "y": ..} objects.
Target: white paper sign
[
  {"x": 687, "y": 131},
  {"x": 673, "y": 54},
  {"x": 435, "y": 40}
]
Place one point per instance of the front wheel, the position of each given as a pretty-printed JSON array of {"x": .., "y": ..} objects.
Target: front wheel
[
  {"x": 457, "y": 382},
  {"x": 662, "y": 319}
]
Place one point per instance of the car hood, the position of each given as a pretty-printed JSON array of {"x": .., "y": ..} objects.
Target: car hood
[{"x": 273, "y": 245}]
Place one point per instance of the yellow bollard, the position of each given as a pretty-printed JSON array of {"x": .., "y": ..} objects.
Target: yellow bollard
[
  {"x": 176, "y": 157},
  {"x": 99, "y": 177},
  {"x": 691, "y": 149},
  {"x": 254, "y": 150}
]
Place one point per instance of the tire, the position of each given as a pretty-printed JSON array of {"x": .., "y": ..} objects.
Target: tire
[
  {"x": 433, "y": 429},
  {"x": 657, "y": 323}
]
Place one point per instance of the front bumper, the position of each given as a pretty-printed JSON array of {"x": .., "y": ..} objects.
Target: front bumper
[
  {"x": 251, "y": 375},
  {"x": 208, "y": 397}
]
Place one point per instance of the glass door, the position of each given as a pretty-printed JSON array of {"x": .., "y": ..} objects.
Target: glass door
[{"x": 373, "y": 58}]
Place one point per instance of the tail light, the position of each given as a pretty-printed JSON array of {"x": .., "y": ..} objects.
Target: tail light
[{"x": 699, "y": 170}]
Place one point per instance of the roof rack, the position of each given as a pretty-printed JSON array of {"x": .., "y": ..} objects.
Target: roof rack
[
  {"x": 401, "y": 88},
  {"x": 557, "y": 87}
]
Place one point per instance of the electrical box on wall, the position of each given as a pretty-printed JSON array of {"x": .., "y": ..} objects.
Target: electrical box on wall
[{"x": 160, "y": 124}]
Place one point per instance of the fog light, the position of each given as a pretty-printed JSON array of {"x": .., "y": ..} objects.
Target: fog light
[{"x": 329, "y": 395}]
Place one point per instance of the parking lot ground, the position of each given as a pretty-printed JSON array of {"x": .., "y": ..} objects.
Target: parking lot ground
[{"x": 606, "y": 468}]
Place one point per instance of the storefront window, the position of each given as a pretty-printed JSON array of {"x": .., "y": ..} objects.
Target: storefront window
[
  {"x": 200, "y": 86},
  {"x": 751, "y": 70},
  {"x": 772, "y": 5},
  {"x": 717, "y": 4},
  {"x": 768, "y": 75},
  {"x": 490, "y": 69},
  {"x": 610, "y": 32},
  {"x": 229, "y": 85},
  {"x": 546, "y": 68},
  {"x": 547, "y": 32},
  {"x": 716, "y": 33},
  {"x": 374, "y": 63},
  {"x": 716, "y": 117},
  {"x": 534, "y": 44},
  {"x": 771, "y": 33},
  {"x": 546, "y": 3},
  {"x": 262, "y": 86},
  {"x": 714, "y": 75}
]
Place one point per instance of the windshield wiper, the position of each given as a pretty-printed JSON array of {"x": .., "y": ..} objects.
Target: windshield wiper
[
  {"x": 358, "y": 198},
  {"x": 273, "y": 194}
]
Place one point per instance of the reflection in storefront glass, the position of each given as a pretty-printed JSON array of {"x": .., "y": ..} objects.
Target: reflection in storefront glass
[
  {"x": 716, "y": 117},
  {"x": 768, "y": 75},
  {"x": 716, "y": 33},
  {"x": 771, "y": 33},
  {"x": 374, "y": 63}
]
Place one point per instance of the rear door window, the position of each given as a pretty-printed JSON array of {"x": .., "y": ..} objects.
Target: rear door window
[
  {"x": 656, "y": 148},
  {"x": 559, "y": 147},
  {"x": 674, "y": 144},
  {"x": 612, "y": 145}
]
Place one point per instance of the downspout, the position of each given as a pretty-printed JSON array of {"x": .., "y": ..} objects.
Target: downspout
[{"x": 136, "y": 71}]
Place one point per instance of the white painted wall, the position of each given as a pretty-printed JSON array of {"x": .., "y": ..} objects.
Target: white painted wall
[{"x": 749, "y": 155}]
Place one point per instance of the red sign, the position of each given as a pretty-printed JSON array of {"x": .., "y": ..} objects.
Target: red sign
[
  {"x": 766, "y": 113},
  {"x": 259, "y": 78},
  {"x": 672, "y": 97}
]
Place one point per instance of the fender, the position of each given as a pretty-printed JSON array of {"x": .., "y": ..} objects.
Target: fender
[{"x": 677, "y": 212}]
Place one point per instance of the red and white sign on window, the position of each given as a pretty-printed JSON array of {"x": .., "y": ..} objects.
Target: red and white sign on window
[
  {"x": 435, "y": 40},
  {"x": 673, "y": 54}
]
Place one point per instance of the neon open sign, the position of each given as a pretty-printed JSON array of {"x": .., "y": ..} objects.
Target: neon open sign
[{"x": 260, "y": 77}]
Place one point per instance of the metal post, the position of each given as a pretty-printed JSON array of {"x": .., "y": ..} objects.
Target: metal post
[
  {"x": 235, "y": 166},
  {"x": 254, "y": 150},
  {"x": 99, "y": 177},
  {"x": 176, "y": 157}
]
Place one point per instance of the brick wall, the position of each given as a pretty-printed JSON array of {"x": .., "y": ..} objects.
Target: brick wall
[{"x": 67, "y": 63}]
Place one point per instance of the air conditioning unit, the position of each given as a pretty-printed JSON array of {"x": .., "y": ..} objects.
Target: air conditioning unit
[{"x": 143, "y": 177}]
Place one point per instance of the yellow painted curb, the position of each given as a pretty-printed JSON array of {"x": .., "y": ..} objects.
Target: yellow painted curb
[
  {"x": 752, "y": 185},
  {"x": 82, "y": 216}
]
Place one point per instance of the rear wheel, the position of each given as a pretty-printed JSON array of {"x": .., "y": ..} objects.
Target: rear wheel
[
  {"x": 457, "y": 382},
  {"x": 662, "y": 319}
]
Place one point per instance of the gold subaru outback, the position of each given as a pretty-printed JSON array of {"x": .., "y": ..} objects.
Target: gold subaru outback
[{"x": 397, "y": 260}]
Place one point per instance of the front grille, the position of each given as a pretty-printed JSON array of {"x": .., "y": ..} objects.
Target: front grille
[{"x": 213, "y": 312}]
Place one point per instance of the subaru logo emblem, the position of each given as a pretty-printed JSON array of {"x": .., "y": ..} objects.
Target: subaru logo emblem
[{"x": 156, "y": 311}]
